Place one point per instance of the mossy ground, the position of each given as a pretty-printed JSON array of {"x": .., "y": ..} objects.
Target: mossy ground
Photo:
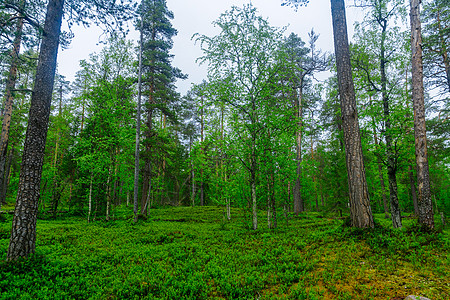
[{"x": 193, "y": 253}]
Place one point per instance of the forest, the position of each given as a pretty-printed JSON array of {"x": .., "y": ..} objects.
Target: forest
[{"x": 289, "y": 172}]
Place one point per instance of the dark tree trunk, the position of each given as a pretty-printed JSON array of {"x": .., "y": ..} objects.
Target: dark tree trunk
[
  {"x": 360, "y": 209},
  {"x": 23, "y": 233},
  {"x": 8, "y": 105},
  {"x": 423, "y": 177},
  {"x": 147, "y": 174}
]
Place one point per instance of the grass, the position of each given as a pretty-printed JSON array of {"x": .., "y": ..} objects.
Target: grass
[{"x": 192, "y": 253}]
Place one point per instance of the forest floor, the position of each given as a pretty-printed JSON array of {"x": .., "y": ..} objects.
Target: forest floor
[{"x": 193, "y": 253}]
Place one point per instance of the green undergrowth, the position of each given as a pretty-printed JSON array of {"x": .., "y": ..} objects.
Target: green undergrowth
[{"x": 194, "y": 253}]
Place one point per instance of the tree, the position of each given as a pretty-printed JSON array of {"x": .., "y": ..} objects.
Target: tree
[
  {"x": 243, "y": 66},
  {"x": 17, "y": 28},
  {"x": 23, "y": 233},
  {"x": 436, "y": 40},
  {"x": 385, "y": 45},
  {"x": 361, "y": 212},
  {"x": 303, "y": 62},
  {"x": 158, "y": 75},
  {"x": 138, "y": 131},
  {"x": 423, "y": 176}
]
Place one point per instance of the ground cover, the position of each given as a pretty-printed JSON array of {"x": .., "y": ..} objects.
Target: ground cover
[{"x": 193, "y": 253}]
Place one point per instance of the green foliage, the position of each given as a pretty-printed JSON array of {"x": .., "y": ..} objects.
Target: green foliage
[{"x": 185, "y": 253}]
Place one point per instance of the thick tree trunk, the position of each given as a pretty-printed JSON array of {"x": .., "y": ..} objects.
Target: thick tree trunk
[
  {"x": 8, "y": 104},
  {"x": 423, "y": 177},
  {"x": 361, "y": 212},
  {"x": 23, "y": 233},
  {"x": 298, "y": 201},
  {"x": 147, "y": 174}
]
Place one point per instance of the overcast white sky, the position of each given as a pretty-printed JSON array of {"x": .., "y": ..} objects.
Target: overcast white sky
[{"x": 196, "y": 16}]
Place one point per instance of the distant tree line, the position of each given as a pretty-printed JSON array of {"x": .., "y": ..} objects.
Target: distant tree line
[{"x": 260, "y": 132}]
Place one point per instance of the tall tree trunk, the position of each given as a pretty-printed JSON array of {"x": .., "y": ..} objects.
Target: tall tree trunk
[
  {"x": 108, "y": 195},
  {"x": 23, "y": 233},
  {"x": 391, "y": 163},
  {"x": 420, "y": 133},
  {"x": 192, "y": 174},
  {"x": 298, "y": 201},
  {"x": 361, "y": 213},
  {"x": 8, "y": 104},
  {"x": 202, "y": 195},
  {"x": 138, "y": 133},
  {"x": 147, "y": 168}
]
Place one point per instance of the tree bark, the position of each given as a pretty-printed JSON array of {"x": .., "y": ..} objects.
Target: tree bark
[
  {"x": 423, "y": 177},
  {"x": 138, "y": 133},
  {"x": 23, "y": 233},
  {"x": 298, "y": 201},
  {"x": 361, "y": 213},
  {"x": 108, "y": 195},
  {"x": 8, "y": 104},
  {"x": 202, "y": 195}
]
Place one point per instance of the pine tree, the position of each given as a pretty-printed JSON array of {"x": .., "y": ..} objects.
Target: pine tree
[{"x": 158, "y": 75}]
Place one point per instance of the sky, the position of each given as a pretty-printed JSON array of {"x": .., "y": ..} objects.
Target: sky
[{"x": 196, "y": 16}]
